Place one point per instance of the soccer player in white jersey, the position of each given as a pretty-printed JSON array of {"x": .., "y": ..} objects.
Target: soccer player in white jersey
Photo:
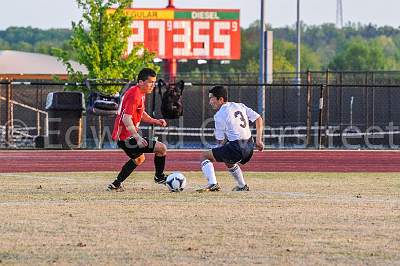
[{"x": 235, "y": 143}]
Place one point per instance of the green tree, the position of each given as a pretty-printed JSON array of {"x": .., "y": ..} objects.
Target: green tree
[
  {"x": 285, "y": 57},
  {"x": 252, "y": 66},
  {"x": 390, "y": 50},
  {"x": 102, "y": 46},
  {"x": 359, "y": 54},
  {"x": 4, "y": 45},
  {"x": 24, "y": 46}
]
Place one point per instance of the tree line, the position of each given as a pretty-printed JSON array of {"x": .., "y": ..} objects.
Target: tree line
[{"x": 353, "y": 47}]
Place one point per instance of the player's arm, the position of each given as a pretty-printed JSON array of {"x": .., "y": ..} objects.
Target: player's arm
[
  {"x": 255, "y": 117},
  {"x": 149, "y": 120},
  {"x": 127, "y": 120},
  {"x": 260, "y": 132},
  {"x": 219, "y": 132},
  {"x": 221, "y": 142}
]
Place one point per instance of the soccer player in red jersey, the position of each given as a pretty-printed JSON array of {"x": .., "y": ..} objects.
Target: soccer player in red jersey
[{"x": 130, "y": 113}]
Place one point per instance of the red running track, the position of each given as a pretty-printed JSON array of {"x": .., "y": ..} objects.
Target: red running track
[{"x": 267, "y": 161}]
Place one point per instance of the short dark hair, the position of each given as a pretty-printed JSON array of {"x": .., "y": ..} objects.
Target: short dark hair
[
  {"x": 145, "y": 73},
  {"x": 219, "y": 91}
]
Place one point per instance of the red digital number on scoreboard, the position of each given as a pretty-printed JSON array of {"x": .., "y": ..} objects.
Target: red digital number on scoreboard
[{"x": 191, "y": 34}]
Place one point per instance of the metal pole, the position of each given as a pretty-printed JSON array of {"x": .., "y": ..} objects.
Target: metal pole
[
  {"x": 261, "y": 90},
  {"x": 325, "y": 115},
  {"x": 37, "y": 112},
  {"x": 46, "y": 124},
  {"x": 309, "y": 110},
  {"x": 320, "y": 115},
  {"x": 351, "y": 111},
  {"x": 99, "y": 131},
  {"x": 366, "y": 102},
  {"x": 326, "y": 107},
  {"x": 83, "y": 128},
  {"x": 298, "y": 81},
  {"x": 11, "y": 111},
  {"x": 171, "y": 65},
  {"x": 1, "y": 89},
  {"x": 298, "y": 43},
  {"x": 153, "y": 110},
  {"x": 203, "y": 95},
  {"x": 265, "y": 52},
  {"x": 8, "y": 114}
]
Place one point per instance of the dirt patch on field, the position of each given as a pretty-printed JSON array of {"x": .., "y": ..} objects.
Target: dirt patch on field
[{"x": 286, "y": 218}]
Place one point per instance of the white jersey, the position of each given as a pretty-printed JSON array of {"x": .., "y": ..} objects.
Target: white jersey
[{"x": 232, "y": 121}]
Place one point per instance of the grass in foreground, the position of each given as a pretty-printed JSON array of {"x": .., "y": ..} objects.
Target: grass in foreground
[{"x": 286, "y": 218}]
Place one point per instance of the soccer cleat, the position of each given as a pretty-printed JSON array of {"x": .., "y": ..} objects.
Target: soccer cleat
[
  {"x": 112, "y": 187},
  {"x": 211, "y": 187},
  {"x": 244, "y": 188},
  {"x": 160, "y": 179}
]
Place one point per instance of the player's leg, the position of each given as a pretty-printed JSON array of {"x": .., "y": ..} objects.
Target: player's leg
[
  {"x": 135, "y": 160},
  {"x": 160, "y": 152},
  {"x": 236, "y": 172},
  {"x": 207, "y": 167},
  {"x": 246, "y": 149},
  {"x": 126, "y": 170}
]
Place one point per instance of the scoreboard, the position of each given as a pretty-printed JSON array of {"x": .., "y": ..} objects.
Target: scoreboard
[{"x": 187, "y": 33}]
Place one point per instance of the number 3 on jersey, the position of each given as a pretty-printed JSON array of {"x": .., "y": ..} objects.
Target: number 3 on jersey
[{"x": 241, "y": 117}]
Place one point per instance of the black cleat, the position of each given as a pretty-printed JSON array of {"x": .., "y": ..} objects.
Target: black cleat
[
  {"x": 211, "y": 187},
  {"x": 244, "y": 188},
  {"x": 112, "y": 187},
  {"x": 162, "y": 179}
]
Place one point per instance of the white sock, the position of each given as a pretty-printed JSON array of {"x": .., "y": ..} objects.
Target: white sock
[
  {"x": 237, "y": 173},
  {"x": 208, "y": 171}
]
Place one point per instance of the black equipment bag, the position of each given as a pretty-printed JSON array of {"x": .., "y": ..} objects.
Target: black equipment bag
[
  {"x": 101, "y": 104},
  {"x": 171, "y": 99}
]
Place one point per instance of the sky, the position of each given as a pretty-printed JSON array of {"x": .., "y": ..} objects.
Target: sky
[{"x": 47, "y": 14}]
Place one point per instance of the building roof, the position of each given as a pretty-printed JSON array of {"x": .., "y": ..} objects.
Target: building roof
[{"x": 16, "y": 62}]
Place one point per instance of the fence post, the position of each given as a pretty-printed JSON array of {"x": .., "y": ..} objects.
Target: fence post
[
  {"x": 46, "y": 123},
  {"x": 9, "y": 115},
  {"x": 7, "y": 126},
  {"x": 153, "y": 111},
  {"x": 309, "y": 114},
  {"x": 203, "y": 105},
  {"x": 12, "y": 112},
  {"x": 340, "y": 103},
  {"x": 1, "y": 89},
  {"x": 366, "y": 100},
  {"x": 270, "y": 105},
  {"x": 326, "y": 116},
  {"x": 100, "y": 131},
  {"x": 326, "y": 109},
  {"x": 37, "y": 112},
  {"x": 321, "y": 119},
  {"x": 373, "y": 97}
]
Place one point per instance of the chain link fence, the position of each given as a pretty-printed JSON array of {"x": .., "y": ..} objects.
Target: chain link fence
[{"x": 328, "y": 110}]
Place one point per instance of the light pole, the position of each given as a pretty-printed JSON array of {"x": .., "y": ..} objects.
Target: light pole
[
  {"x": 298, "y": 78},
  {"x": 298, "y": 43},
  {"x": 261, "y": 78}
]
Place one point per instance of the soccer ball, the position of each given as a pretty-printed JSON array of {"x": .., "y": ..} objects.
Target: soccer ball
[{"x": 176, "y": 182}]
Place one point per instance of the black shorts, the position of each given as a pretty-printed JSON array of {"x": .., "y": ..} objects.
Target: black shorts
[
  {"x": 238, "y": 151},
  {"x": 131, "y": 148}
]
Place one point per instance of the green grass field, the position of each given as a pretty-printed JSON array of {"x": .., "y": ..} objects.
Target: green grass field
[{"x": 286, "y": 218}]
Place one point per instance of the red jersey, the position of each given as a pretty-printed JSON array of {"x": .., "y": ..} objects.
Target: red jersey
[{"x": 132, "y": 103}]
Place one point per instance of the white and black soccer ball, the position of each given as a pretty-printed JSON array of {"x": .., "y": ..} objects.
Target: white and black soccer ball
[{"x": 176, "y": 182}]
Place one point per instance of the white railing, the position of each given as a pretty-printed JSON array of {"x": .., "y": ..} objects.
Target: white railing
[{"x": 23, "y": 130}]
